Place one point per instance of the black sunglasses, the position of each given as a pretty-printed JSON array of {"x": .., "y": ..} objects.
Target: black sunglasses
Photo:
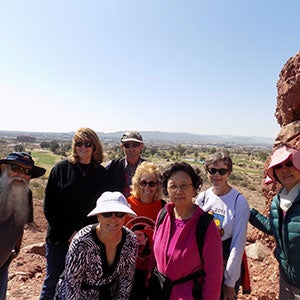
[
  {"x": 18, "y": 169},
  {"x": 117, "y": 214},
  {"x": 131, "y": 145},
  {"x": 86, "y": 144},
  {"x": 144, "y": 183},
  {"x": 288, "y": 164},
  {"x": 213, "y": 171}
]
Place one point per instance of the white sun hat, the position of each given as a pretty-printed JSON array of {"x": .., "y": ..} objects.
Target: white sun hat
[{"x": 112, "y": 202}]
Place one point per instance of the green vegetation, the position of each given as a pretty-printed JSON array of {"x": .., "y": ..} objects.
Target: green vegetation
[
  {"x": 45, "y": 159},
  {"x": 38, "y": 188},
  {"x": 247, "y": 175},
  {"x": 56, "y": 147}
]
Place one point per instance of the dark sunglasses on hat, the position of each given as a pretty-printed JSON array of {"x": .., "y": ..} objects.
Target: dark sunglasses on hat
[{"x": 213, "y": 171}]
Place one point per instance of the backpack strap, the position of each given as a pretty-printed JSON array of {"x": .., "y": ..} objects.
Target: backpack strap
[
  {"x": 201, "y": 229},
  {"x": 161, "y": 216},
  {"x": 163, "y": 202}
]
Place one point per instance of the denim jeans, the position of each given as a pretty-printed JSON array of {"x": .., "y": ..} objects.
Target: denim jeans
[
  {"x": 3, "y": 284},
  {"x": 55, "y": 257}
]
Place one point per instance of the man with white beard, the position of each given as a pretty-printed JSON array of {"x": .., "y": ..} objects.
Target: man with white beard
[{"x": 16, "y": 207}]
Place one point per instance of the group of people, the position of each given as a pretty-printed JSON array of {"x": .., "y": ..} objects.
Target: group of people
[{"x": 112, "y": 234}]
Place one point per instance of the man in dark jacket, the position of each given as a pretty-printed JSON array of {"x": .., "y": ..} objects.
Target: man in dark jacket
[
  {"x": 122, "y": 169},
  {"x": 15, "y": 207}
]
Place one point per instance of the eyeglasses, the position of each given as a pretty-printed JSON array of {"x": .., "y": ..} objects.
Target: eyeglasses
[
  {"x": 117, "y": 214},
  {"x": 144, "y": 183},
  {"x": 288, "y": 164},
  {"x": 131, "y": 145},
  {"x": 184, "y": 187},
  {"x": 18, "y": 169},
  {"x": 86, "y": 144},
  {"x": 213, "y": 171}
]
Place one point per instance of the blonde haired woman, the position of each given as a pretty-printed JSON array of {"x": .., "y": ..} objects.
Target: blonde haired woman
[
  {"x": 73, "y": 187},
  {"x": 146, "y": 201},
  {"x": 88, "y": 135}
]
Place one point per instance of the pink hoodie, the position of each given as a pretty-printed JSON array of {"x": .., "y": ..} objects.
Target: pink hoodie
[{"x": 185, "y": 258}]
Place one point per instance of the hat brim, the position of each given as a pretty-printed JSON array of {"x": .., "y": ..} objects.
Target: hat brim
[
  {"x": 37, "y": 172},
  {"x": 279, "y": 156},
  {"x": 111, "y": 207},
  {"x": 132, "y": 140},
  {"x": 269, "y": 180}
]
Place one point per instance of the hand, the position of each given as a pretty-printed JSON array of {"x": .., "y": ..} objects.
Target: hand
[{"x": 228, "y": 293}]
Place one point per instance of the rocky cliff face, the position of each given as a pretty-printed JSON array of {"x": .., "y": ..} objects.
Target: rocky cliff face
[
  {"x": 288, "y": 87},
  {"x": 288, "y": 116},
  {"x": 287, "y": 112},
  {"x": 288, "y": 103}
]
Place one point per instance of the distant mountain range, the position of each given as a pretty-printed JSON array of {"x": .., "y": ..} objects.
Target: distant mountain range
[{"x": 156, "y": 137}]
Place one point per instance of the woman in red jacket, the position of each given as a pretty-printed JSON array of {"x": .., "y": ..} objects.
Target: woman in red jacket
[{"x": 145, "y": 200}]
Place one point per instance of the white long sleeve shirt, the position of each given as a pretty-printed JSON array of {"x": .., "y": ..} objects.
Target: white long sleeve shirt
[{"x": 231, "y": 214}]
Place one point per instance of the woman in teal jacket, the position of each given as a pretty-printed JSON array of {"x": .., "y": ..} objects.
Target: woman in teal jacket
[{"x": 284, "y": 220}]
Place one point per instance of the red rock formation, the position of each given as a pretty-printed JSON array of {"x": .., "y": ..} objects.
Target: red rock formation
[
  {"x": 288, "y": 87},
  {"x": 288, "y": 117},
  {"x": 287, "y": 113}
]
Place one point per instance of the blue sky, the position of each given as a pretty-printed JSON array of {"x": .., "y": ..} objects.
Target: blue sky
[{"x": 206, "y": 67}]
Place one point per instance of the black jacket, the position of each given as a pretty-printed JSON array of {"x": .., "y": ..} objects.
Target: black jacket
[
  {"x": 116, "y": 174},
  {"x": 69, "y": 197}
]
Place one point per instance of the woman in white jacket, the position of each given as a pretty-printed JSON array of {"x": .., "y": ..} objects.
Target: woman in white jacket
[
  {"x": 100, "y": 262},
  {"x": 231, "y": 213}
]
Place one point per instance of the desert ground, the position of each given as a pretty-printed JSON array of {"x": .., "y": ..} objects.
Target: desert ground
[{"x": 27, "y": 271}]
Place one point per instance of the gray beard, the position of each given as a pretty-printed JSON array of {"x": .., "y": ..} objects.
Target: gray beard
[{"x": 14, "y": 199}]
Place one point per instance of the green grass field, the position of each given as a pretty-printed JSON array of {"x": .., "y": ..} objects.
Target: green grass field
[{"x": 45, "y": 159}]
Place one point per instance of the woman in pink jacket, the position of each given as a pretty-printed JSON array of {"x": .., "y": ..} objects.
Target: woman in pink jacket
[{"x": 193, "y": 273}]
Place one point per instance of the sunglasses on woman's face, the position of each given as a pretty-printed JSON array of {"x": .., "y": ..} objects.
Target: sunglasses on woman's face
[
  {"x": 86, "y": 144},
  {"x": 213, "y": 171},
  {"x": 144, "y": 183},
  {"x": 117, "y": 214},
  {"x": 288, "y": 164}
]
